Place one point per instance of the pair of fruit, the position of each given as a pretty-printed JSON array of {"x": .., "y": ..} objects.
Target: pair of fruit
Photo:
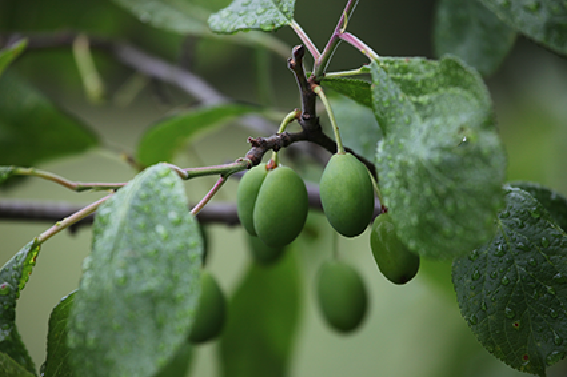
[{"x": 272, "y": 204}]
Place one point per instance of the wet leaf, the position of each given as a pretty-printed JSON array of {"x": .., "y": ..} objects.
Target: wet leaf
[
  {"x": 473, "y": 33},
  {"x": 441, "y": 164},
  {"x": 57, "y": 360},
  {"x": 543, "y": 20},
  {"x": 167, "y": 136},
  {"x": 551, "y": 200},
  {"x": 512, "y": 291},
  {"x": 243, "y": 15},
  {"x": 139, "y": 288},
  {"x": 13, "y": 278}
]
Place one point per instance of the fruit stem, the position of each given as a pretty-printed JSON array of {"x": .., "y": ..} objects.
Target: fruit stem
[
  {"x": 319, "y": 91},
  {"x": 70, "y": 220},
  {"x": 290, "y": 117},
  {"x": 377, "y": 190}
]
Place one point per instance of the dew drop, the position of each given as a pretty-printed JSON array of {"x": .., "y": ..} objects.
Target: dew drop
[
  {"x": 499, "y": 250},
  {"x": 473, "y": 319},
  {"x": 505, "y": 214},
  {"x": 476, "y": 275},
  {"x": 535, "y": 214},
  {"x": 553, "y": 313},
  {"x": 557, "y": 340},
  {"x": 494, "y": 274},
  {"x": 161, "y": 231},
  {"x": 550, "y": 290},
  {"x": 532, "y": 262},
  {"x": 544, "y": 242},
  {"x": 483, "y": 306},
  {"x": 510, "y": 313},
  {"x": 505, "y": 280}
]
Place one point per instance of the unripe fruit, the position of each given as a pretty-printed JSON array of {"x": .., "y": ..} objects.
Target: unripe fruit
[
  {"x": 263, "y": 254},
  {"x": 394, "y": 260},
  {"x": 272, "y": 204},
  {"x": 246, "y": 195},
  {"x": 347, "y": 194},
  {"x": 210, "y": 314},
  {"x": 342, "y": 296}
]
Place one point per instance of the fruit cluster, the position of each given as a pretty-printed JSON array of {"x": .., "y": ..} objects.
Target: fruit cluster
[{"x": 272, "y": 205}]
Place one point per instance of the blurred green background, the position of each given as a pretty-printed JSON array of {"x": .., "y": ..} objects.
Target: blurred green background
[{"x": 414, "y": 330}]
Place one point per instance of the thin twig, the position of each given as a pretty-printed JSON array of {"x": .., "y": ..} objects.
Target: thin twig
[
  {"x": 220, "y": 182},
  {"x": 69, "y": 221}
]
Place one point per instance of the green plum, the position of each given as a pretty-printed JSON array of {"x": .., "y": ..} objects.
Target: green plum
[
  {"x": 394, "y": 260},
  {"x": 347, "y": 194},
  {"x": 210, "y": 314},
  {"x": 272, "y": 204},
  {"x": 342, "y": 296}
]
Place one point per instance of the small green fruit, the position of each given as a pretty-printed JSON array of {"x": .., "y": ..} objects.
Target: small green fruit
[
  {"x": 394, "y": 260},
  {"x": 347, "y": 194},
  {"x": 342, "y": 296},
  {"x": 210, "y": 314},
  {"x": 246, "y": 195},
  {"x": 263, "y": 254},
  {"x": 272, "y": 204}
]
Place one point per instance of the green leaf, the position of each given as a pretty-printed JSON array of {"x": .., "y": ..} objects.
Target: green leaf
[
  {"x": 57, "y": 360},
  {"x": 9, "y": 368},
  {"x": 441, "y": 165},
  {"x": 8, "y": 54},
  {"x": 180, "y": 16},
  {"x": 359, "y": 129},
  {"x": 13, "y": 278},
  {"x": 140, "y": 286},
  {"x": 512, "y": 291},
  {"x": 552, "y": 201},
  {"x": 355, "y": 89},
  {"x": 244, "y": 15},
  {"x": 473, "y": 33},
  {"x": 167, "y": 136},
  {"x": 544, "y": 21},
  {"x": 268, "y": 301},
  {"x": 33, "y": 129}
]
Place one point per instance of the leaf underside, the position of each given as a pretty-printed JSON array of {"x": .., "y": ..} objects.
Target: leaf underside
[
  {"x": 33, "y": 129},
  {"x": 542, "y": 20},
  {"x": 167, "y": 136},
  {"x": 470, "y": 31},
  {"x": 441, "y": 164},
  {"x": 244, "y": 15},
  {"x": 140, "y": 286},
  {"x": 513, "y": 291}
]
